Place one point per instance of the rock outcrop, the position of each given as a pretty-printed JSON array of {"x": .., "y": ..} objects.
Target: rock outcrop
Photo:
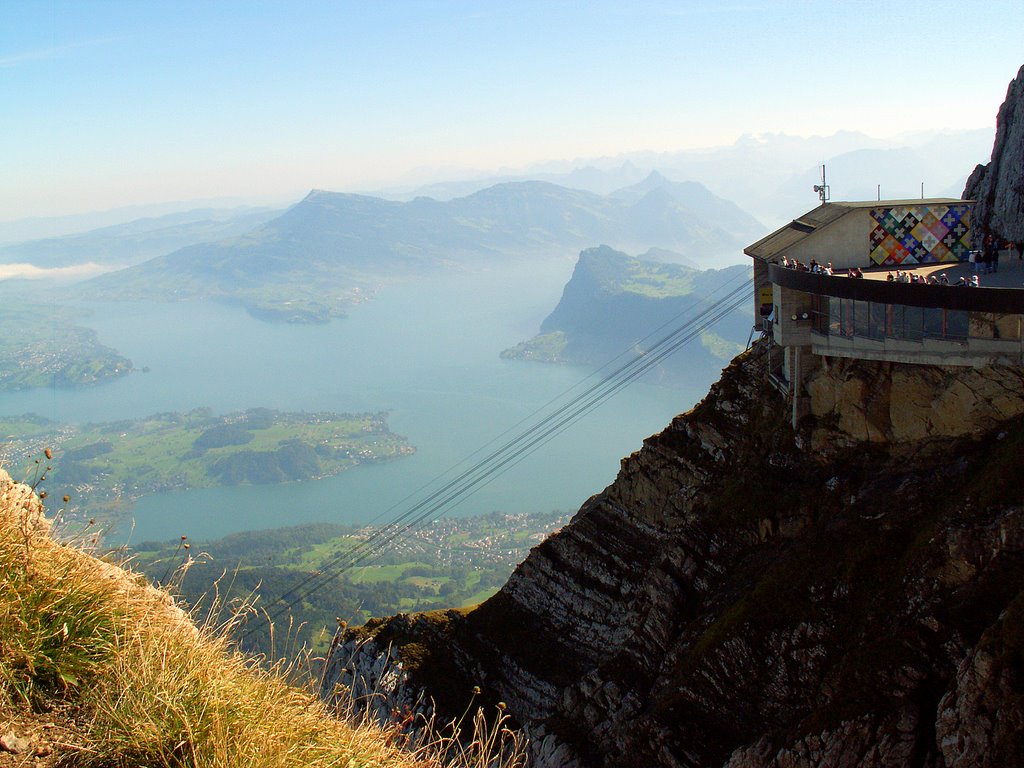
[
  {"x": 882, "y": 403},
  {"x": 740, "y": 597},
  {"x": 998, "y": 187},
  {"x": 745, "y": 595}
]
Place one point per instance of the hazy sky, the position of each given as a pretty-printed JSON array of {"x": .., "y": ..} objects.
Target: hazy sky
[{"x": 104, "y": 104}]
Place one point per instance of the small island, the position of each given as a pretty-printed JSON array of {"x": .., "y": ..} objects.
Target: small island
[{"x": 104, "y": 465}]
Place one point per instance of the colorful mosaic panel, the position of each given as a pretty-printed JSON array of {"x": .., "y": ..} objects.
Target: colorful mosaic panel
[{"x": 920, "y": 234}]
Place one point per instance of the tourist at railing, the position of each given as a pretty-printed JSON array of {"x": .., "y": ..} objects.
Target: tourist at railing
[
  {"x": 898, "y": 276},
  {"x": 972, "y": 282}
]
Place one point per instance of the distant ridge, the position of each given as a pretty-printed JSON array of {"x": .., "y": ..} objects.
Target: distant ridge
[
  {"x": 332, "y": 250},
  {"x": 121, "y": 245}
]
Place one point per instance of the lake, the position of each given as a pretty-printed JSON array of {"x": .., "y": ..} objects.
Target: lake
[{"x": 425, "y": 352}]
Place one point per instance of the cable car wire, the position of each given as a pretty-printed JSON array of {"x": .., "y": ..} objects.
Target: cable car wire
[{"x": 518, "y": 448}]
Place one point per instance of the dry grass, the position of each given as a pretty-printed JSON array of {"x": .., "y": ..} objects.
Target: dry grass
[{"x": 151, "y": 688}]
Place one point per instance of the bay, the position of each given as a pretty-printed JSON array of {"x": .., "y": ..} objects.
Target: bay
[{"x": 425, "y": 351}]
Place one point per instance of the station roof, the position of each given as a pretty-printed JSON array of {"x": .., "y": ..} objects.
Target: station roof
[{"x": 784, "y": 238}]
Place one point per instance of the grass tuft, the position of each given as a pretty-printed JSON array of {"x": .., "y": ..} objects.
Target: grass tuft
[{"x": 150, "y": 687}]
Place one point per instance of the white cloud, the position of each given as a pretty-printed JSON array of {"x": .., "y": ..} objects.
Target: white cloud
[
  {"x": 32, "y": 272},
  {"x": 24, "y": 57}
]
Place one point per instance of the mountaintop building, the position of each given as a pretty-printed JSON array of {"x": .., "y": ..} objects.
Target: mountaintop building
[{"x": 813, "y": 315}]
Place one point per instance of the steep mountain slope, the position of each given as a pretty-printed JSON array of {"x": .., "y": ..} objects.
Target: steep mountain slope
[
  {"x": 998, "y": 186},
  {"x": 746, "y": 595},
  {"x": 330, "y": 250},
  {"x": 656, "y": 193},
  {"x": 613, "y": 302}
]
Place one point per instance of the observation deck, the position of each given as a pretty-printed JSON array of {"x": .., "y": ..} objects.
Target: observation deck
[{"x": 813, "y": 315}]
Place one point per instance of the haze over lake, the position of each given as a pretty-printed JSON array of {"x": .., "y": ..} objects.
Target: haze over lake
[{"x": 426, "y": 352}]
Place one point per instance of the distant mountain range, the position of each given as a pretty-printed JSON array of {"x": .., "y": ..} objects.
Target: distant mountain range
[
  {"x": 768, "y": 175},
  {"x": 122, "y": 245},
  {"x": 332, "y": 250},
  {"x": 771, "y": 176},
  {"x": 615, "y": 303}
]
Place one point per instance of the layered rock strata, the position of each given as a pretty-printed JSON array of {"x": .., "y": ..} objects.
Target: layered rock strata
[{"x": 744, "y": 595}]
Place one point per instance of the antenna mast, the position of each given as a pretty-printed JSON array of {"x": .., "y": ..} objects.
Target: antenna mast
[{"x": 822, "y": 189}]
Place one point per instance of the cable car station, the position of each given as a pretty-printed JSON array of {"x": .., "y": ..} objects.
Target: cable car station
[{"x": 887, "y": 280}]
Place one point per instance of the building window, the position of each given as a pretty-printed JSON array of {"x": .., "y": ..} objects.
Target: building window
[
  {"x": 820, "y": 313},
  {"x": 862, "y": 318},
  {"x": 913, "y": 323},
  {"x": 835, "y": 317},
  {"x": 956, "y": 323},
  {"x": 934, "y": 322},
  {"x": 871, "y": 320},
  {"x": 876, "y": 329}
]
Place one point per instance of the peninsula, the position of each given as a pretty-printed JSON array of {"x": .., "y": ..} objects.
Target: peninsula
[
  {"x": 41, "y": 347},
  {"x": 100, "y": 466}
]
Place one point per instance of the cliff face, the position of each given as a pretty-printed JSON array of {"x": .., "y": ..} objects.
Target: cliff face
[
  {"x": 998, "y": 187},
  {"x": 740, "y": 597},
  {"x": 749, "y": 596},
  {"x": 905, "y": 406},
  {"x": 613, "y": 302}
]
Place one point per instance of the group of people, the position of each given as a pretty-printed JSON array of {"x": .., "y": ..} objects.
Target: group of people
[
  {"x": 985, "y": 260},
  {"x": 818, "y": 269},
  {"x": 814, "y": 266},
  {"x": 941, "y": 279}
]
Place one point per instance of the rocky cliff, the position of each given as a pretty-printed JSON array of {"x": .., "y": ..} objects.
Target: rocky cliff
[
  {"x": 850, "y": 593},
  {"x": 998, "y": 187},
  {"x": 747, "y": 595}
]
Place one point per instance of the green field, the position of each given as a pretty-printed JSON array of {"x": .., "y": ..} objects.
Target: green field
[
  {"x": 101, "y": 464},
  {"x": 41, "y": 347},
  {"x": 447, "y": 563}
]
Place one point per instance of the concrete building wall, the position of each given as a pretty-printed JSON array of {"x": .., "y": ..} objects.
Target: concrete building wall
[
  {"x": 989, "y": 325},
  {"x": 845, "y": 243},
  {"x": 788, "y": 331}
]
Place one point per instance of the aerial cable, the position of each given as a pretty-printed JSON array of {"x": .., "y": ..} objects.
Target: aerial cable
[
  {"x": 499, "y": 462},
  {"x": 626, "y": 353},
  {"x": 524, "y": 444},
  {"x": 511, "y": 444},
  {"x": 384, "y": 536}
]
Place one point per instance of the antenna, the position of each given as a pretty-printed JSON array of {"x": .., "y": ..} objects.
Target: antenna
[{"x": 822, "y": 189}]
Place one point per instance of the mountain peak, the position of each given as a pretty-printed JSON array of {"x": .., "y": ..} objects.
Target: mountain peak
[{"x": 655, "y": 178}]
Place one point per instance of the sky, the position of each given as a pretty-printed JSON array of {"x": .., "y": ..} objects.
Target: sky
[{"x": 108, "y": 104}]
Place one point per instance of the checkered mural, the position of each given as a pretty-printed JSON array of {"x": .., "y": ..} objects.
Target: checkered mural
[{"x": 920, "y": 234}]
